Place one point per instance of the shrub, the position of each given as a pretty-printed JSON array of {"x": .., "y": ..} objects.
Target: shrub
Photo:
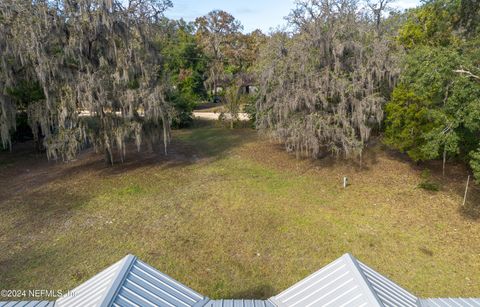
[{"x": 427, "y": 184}]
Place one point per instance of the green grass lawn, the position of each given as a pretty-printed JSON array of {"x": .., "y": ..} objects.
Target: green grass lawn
[{"x": 232, "y": 216}]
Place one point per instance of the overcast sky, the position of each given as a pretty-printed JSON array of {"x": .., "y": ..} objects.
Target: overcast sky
[{"x": 253, "y": 14}]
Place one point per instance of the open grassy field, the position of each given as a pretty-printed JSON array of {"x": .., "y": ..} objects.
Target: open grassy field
[{"x": 233, "y": 216}]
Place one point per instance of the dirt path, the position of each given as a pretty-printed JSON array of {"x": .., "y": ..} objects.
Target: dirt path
[{"x": 214, "y": 116}]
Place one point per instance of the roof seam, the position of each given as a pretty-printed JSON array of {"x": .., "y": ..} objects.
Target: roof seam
[
  {"x": 363, "y": 280},
  {"x": 109, "y": 297}
]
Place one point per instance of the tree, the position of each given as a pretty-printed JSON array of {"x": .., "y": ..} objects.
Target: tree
[
  {"x": 98, "y": 56},
  {"x": 234, "y": 101},
  {"x": 243, "y": 52},
  {"x": 475, "y": 164},
  {"x": 186, "y": 65},
  {"x": 435, "y": 108},
  {"x": 217, "y": 33},
  {"x": 378, "y": 8},
  {"x": 322, "y": 86}
]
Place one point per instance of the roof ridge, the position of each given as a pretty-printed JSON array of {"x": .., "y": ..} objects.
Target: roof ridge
[
  {"x": 94, "y": 289},
  {"x": 362, "y": 279},
  {"x": 109, "y": 297}
]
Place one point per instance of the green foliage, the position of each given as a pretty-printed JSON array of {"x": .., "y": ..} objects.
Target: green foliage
[
  {"x": 234, "y": 100},
  {"x": 250, "y": 108},
  {"x": 427, "y": 183},
  {"x": 184, "y": 105},
  {"x": 435, "y": 108},
  {"x": 26, "y": 92},
  {"x": 406, "y": 122},
  {"x": 186, "y": 64},
  {"x": 475, "y": 164},
  {"x": 429, "y": 186},
  {"x": 431, "y": 24}
]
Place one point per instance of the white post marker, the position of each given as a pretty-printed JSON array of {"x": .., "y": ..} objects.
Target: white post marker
[
  {"x": 345, "y": 182},
  {"x": 466, "y": 191}
]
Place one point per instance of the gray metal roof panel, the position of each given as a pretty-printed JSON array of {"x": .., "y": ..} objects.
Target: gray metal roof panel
[
  {"x": 239, "y": 303},
  {"x": 450, "y": 302},
  {"x": 389, "y": 293},
  {"x": 337, "y": 284},
  {"x": 27, "y": 304},
  {"x": 131, "y": 282},
  {"x": 93, "y": 291},
  {"x": 145, "y": 286},
  {"x": 344, "y": 282}
]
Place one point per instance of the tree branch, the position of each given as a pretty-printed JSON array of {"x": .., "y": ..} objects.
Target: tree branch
[{"x": 468, "y": 73}]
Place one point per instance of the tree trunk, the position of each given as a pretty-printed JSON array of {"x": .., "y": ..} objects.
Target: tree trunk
[{"x": 108, "y": 157}]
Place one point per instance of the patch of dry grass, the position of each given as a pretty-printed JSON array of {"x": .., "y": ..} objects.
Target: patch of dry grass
[{"x": 232, "y": 215}]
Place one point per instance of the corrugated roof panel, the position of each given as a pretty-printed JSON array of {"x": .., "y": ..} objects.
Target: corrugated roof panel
[
  {"x": 27, "y": 304},
  {"x": 389, "y": 293},
  {"x": 239, "y": 303},
  {"x": 145, "y": 286},
  {"x": 450, "y": 302},
  {"x": 91, "y": 292},
  {"x": 344, "y": 282},
  {"x": 339, "y": 283}
]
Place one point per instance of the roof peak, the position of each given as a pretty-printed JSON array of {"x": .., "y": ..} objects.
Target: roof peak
[
  {"x": 362, "y": 279},
  {"x": 344, "y": 282}
]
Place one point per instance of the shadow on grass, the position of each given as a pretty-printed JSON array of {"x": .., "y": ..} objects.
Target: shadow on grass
[
  {"x": 471, "y": 209},
  {"x": 49, "y": 266},
  {"x": 23, "y": 170},
  {"x": 27, "y": 244},
  {"x": 39, "y": 195}
]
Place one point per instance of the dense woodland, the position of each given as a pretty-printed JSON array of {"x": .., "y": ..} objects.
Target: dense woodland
[{"x": 81, "y": 73}]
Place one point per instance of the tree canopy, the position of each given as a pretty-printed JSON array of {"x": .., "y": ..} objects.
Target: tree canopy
[
  {"x": 435, "y": 108},
  {"x": 94, "y": 56},
  {"x": 102, "y": 72},
  {"x": 323, "y": 85}
]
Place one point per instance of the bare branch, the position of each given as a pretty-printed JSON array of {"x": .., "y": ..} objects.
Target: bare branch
[{"x": 468, "y": 73}]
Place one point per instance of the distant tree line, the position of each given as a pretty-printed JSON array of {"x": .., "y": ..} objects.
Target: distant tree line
[
  {"x": 102, "y": 72},
  {"x": 345, "y": 70}
]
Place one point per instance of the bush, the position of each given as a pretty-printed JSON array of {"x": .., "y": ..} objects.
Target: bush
[
  {"x": 427, "y": 184},
  {"x": 184, "y": 105},
  {"x": 475, "y": 164},
  {"x": 251, "y": 109}
]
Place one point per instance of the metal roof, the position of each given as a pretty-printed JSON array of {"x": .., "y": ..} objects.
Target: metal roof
[
  {"x": 145, "y": 286},
  {"x": 93, "y": 290},
  {"x": 389, "y": 293},
  {"x": 449, "y": 302},
  {"x": 239, "y": 303},
  {"x": 338, "y": 284},
  {"x": 27, "y": 304},
  {"x": 131, "y": 282},
  {"x": 344, "y": 282}
]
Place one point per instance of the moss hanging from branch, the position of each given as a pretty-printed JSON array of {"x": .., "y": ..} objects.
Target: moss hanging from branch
[
  {"x": 85, "y": 54},
  {"x": 321, "y": 85}
]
